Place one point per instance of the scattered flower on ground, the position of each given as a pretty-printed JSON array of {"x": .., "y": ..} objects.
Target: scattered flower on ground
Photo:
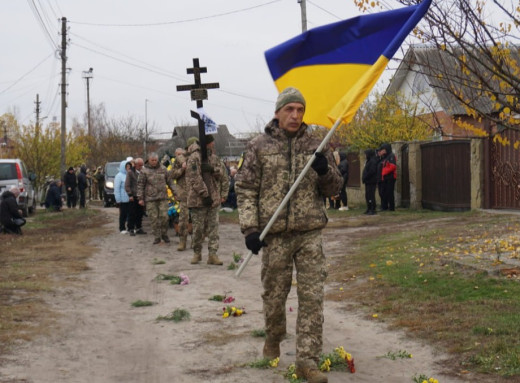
[
  {"x": 337, "y": 360},
  {"x": 184, "y": 279},
  {"x": 232, "y": 311},
  {"x": 274, "y": 363},
  {"x": 228, "y": 299}
]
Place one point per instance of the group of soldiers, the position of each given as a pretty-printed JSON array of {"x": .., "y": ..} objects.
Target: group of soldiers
[{"x": 200, "y": 187}]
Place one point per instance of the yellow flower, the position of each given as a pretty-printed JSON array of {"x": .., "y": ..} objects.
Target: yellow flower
[
  {"x": 239, "y": 312},
  {"x": 375, "y": 316},
  {"x": 233, "y": 309},
  {"x": 294, "y": 376},
  {"x": 225, "y": 315},
  {"x": 325, "y": 366},
  {"x": 274, "y": 362}
]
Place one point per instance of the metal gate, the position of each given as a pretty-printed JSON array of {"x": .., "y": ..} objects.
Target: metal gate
[
  {"x": 446, "y": 175},
  {"x": 504, "y": 172}
]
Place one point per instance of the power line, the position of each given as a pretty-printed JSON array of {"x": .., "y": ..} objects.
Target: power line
[
  {"x": 128, "y": 62},
  {"x": 53, "y": 12},
  {"x": 26, "y": 74},
  {"x": 165, "y": 72},
  {"x": 150, "y": 67},
  {"x": 177, "y": 21},
  {"x": 39, "y": 18},
  {"x": 244, "y": 96},
  {"x": 324, "y": 10}
]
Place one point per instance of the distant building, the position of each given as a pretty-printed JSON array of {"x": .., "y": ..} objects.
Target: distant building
[{"x": 227, "y": 146}]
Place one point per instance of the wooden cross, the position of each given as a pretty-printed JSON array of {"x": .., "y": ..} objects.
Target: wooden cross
[{"x": 199, "y": 92}]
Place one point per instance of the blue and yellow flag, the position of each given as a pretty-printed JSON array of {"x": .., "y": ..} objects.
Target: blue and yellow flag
[{"x": 335, "y": 66}]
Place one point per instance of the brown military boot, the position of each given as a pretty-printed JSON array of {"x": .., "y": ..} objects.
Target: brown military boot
[
  {"x": 311, "y": 374},
  {"x": 271, "y": 349},
  {"x": 182, "y": 243},
  {"x": 213, "y": 260},
  {"x": 197, "y": 257}
]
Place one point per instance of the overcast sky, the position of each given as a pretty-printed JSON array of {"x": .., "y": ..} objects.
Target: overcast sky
[{"x": 139, "y": 50}]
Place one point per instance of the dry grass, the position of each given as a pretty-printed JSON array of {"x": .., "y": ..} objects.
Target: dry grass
[{"x": 51, "y": 253}]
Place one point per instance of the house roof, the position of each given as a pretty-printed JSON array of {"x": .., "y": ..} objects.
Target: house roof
[
  {"x": 443, "y": 72},
  {"x": 225, "y": 143}
]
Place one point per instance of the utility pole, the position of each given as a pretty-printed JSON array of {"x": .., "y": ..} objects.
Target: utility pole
[
  {"x": 145, "y": 128},
  {"x": 37, "y": 102},
  {"x": 87, "y": 75},
  {"x": 63, "y": 92},
  {"x": 304, "y": 14}
]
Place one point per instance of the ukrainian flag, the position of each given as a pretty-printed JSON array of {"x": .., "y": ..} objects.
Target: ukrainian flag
[{"x": 335, "y": 66}]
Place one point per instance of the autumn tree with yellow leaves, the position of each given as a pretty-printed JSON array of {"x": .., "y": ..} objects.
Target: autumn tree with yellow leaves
[
  {"x": 40, "y": 149},
  {"x": 480, "y": 63},
  {"x": 382, "y": 118}
]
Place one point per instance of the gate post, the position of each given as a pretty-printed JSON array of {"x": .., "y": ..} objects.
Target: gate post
[
  {"x": 415, "y": 174},
  {"x": 477, "y": 173}
]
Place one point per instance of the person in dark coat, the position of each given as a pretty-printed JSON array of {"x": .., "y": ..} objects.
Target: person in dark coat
[
  {"x": 343, "y": 169},
  {"x": 82, "y": 185},
  {"x": 53, "y": 199},
  {"x": 387, "y": 177},
  {"x": 71, "y": 183},
  {"x": 369, "y": 178},
  {"x": 11, "y": 217}
]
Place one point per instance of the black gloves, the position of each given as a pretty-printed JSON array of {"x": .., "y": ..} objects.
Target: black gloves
[
  {"x": 320, "y": 164},
  {"x": 253, "y": 242},
  {"x": 206, "y": 168},
  {"x": 207, "y": 201}
]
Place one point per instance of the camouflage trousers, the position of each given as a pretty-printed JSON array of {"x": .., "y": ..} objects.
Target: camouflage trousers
[
  {"x": 184, "y": 218},
  {"x": 157, "y": 211},
  {"x": 304, "y": 249},
  {"x": 205, "y": 221}
]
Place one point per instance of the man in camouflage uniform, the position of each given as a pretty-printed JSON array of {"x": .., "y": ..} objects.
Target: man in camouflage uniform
[
  {"x": 179, "y": 174},
  {"x": 151, "y": 192},
  {"x": 271, "y": 164},
  {"x": 205, "y": 194}
]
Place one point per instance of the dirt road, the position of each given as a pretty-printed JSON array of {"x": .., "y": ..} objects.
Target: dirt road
[{"x": 100, "y": 337}]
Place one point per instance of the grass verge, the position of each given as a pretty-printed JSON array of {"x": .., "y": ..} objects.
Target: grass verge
[{"x": 440, "y": 279}]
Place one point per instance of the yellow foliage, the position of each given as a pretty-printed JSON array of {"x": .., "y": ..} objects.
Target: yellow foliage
[{"x": 384, "y": 119}]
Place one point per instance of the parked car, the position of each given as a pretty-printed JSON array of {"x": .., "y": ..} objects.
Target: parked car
[
  {"x": 14, "y": 173},
  {"x": 111, "y": 169}
]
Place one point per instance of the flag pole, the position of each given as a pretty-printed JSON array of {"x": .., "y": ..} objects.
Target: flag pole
[{"x": 289, "y": 194}]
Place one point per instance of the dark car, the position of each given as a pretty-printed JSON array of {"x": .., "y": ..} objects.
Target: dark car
[{"x": 111, "y": 169}]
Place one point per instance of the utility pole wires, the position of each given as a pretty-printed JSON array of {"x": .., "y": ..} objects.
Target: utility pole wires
[{"x": 63, "y": 93}]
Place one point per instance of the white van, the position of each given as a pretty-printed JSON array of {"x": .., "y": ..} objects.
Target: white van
[{"x": 14, "y": 173}]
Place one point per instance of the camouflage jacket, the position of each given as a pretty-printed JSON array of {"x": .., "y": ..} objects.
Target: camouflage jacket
[
  {"x": 196, "y": 187},
  {"x": 271, "y": 164},
  {"x": 179, "y": 174},
  {"x": 151, "y": 183}
]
